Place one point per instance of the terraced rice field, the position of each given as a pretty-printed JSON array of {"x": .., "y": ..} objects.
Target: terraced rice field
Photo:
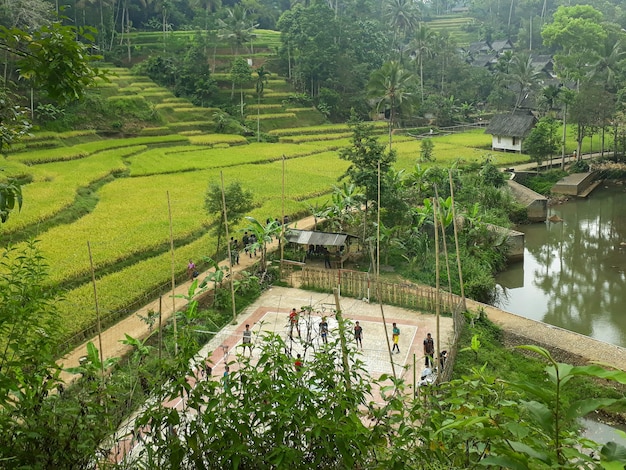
[
  {"x": 456, "y": 27},
  {"x": 133, "y": 183}
]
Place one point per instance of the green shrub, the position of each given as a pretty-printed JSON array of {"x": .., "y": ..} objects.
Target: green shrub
[
  {"x": 543, "y": 182},
  {"x": 580, "y": 166}
]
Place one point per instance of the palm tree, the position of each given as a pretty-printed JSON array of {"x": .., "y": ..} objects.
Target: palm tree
[
  {"x": 548, "y": 98},
  {"x": 264, "y": 234},
  {"x": 503, "y": 64},
  {"x": 390, "y": 86},
  {"x": 422, "y": 46},
  {"x": 402, "y": 16},
  {"x": 445, "y": 49},
  {"x": 237, "y": 29},
  {"x": 523, "y": 75},
  {"x": 262, "y": 76},
  {"x": 607, "y": 68}
]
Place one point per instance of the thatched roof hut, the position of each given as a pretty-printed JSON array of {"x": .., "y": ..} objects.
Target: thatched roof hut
[
  {"x": 515, "y": 124},
  {"x": 509, "y": 130}
]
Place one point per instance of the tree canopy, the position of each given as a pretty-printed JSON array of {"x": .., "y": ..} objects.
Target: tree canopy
[{"x": 54, "y": 58}]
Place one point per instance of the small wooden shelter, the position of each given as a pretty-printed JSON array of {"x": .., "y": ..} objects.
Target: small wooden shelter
[
  {"x": 338, "y": 247},
  {"x": 509, "y": 130}
]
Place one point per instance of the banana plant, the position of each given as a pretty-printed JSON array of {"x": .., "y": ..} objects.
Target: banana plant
[{"x": 91, "y": 366}]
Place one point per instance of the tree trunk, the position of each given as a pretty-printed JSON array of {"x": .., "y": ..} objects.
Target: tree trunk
[
  {"x": 602, "y": 142},
  {"x": 128, "y": 27},
  {"x": 579, "y": 141},
  {"x": 241, "y": 100},
  {"x": 422, "y": 76},
  {"x": 289, "y": 60},
  {"x": 510, "y": 15},
  {"x": 564, "y": 135},
  {"x": 615, "y": 143},
  {"x": 258, "y": 120},
  {"x": 101, "y": 32}
]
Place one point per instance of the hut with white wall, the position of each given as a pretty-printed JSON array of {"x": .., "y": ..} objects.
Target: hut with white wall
[{"x": 508, "y": 131}]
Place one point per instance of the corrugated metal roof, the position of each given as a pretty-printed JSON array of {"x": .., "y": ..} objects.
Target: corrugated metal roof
[{"x": 309, "y": 237}]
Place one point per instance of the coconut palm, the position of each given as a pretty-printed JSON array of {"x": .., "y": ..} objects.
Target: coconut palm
[
  {"x": 608, "y": 66},
  {"x": 237, "y": 28},
  {"x": 548, "y": 98},
  {"x": 523, "y": 75},
  {"x": 208, "y": 6},
  {"x": 391, "y": 87},
  {"x": 402, "y": 16},
  {"x": 423, "y": 45}
]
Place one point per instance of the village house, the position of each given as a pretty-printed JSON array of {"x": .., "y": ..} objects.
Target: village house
[{"x": 509, "y": 130}]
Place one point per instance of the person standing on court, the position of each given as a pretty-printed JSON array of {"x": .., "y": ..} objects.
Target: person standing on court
[
  {"x": 395, "y": 335},
  {"x": 324, "y": 330},
  {"x": 358, "y": 334},
  {"x": 429, "y": 351},
  {"x": 247, "y": 340},
  {"x": 294, "y": 322}
]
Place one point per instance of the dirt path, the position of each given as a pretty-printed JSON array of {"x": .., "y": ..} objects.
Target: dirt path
[{"x": 134, "y": 326}]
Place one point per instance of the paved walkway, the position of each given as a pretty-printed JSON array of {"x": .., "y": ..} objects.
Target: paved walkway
[{"x": 579, "y": 348}]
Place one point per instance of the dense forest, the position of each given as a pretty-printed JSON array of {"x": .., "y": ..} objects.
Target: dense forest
[{"x": 555, "y": 53}]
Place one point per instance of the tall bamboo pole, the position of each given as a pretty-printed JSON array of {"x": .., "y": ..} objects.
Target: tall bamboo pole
[
  {"x": 160, "y": 328},
  {"x": 378, "y": 293},
  {"x": 564, "y": 135},
  {"x": 456, "y": 242},
  {"x": 437, "y": 293},
  {"x": 445, "y": 248},
  {"x": 95, "y": 297},
  {"x": 282, "y": 225},
  {"x": 414, "y": 376},
  {"x": 230, "y": 257},
  {"x": 173, "y": 273},
  {"x": 378, "y": 225}
]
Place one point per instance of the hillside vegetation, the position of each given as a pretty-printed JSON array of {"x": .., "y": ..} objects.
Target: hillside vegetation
[{"x": 113, "y": 193}]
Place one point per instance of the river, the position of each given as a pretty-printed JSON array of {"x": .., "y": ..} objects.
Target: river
[{"x": 574, "y": 272}]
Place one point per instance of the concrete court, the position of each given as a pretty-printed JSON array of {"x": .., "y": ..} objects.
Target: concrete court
[{"x": 270, "y": 313}]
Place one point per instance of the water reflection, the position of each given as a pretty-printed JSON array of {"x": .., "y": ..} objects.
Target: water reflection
[{"x": 574, "y": 272}]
